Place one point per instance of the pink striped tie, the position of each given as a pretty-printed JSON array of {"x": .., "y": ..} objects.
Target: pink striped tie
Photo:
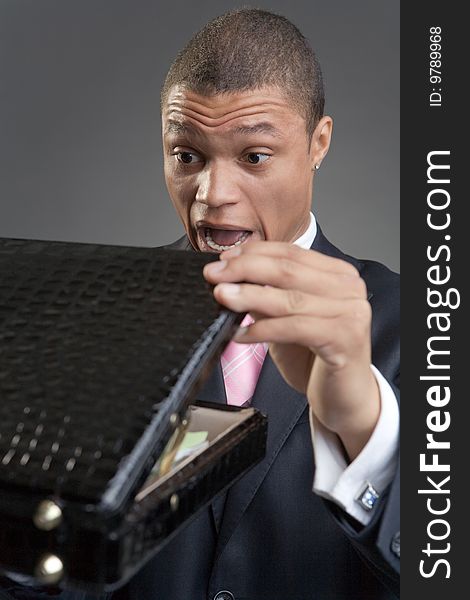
[{"x": 241, "y": 365}]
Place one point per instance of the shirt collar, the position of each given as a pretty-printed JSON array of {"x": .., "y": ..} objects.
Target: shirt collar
[{"x": 306, "y": 239}]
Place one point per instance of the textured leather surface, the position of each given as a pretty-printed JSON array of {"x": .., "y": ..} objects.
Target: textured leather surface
[
  {"x": 93, "y": 340},
  {"x": 99, "y": 345}
]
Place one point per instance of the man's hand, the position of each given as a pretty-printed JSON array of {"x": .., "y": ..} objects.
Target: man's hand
[{"x": 313, "y": 311}]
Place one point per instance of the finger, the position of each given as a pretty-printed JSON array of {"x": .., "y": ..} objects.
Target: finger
[
  {"x": 285, "y": 274},
  {"x": 310, "y": 332},
  {"x": 294, "y": 253},
  {"x": 274, "y": 302},
  {"x": 334, "y": 340}
]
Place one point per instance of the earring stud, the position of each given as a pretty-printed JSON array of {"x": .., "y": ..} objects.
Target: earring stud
[{"x": 317, "y": 166}]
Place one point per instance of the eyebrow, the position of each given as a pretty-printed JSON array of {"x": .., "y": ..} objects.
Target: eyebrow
[{"x": 262, "y": 127}]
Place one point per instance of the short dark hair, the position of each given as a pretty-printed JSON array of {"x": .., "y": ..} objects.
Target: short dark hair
[{"x": 246, "y": 49}]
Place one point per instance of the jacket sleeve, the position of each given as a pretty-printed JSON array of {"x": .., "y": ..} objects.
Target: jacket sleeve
[{"x": 378, "y": 542}]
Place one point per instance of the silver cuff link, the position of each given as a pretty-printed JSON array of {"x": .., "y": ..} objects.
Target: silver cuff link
[{"x": 367, "y": 496}]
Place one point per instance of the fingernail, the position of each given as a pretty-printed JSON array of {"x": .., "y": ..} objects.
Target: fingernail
[
  {"x": 215, "y": 267},
  {"x": 232, "y": 252},
  {"x": 229, "y": 289},
  {"x": 240, "y": 333}
]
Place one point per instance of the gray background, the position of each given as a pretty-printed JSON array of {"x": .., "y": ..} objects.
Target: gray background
[{"x": 80, "y": 149}]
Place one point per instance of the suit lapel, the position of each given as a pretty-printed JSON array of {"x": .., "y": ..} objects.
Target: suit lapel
[
  {"x": 321, "y": 244},
  {"x": 213, "y": 389},
  {"x": 283, "y": 406}
]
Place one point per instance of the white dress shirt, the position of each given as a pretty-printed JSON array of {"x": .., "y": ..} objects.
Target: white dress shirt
[{"x": 337, "y": 480}]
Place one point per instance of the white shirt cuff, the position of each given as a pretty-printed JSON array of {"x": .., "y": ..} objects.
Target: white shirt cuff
[{"x": 376, "y": 464}]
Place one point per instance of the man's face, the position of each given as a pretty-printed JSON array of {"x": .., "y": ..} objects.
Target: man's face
[{"x": 238, "y": 166}]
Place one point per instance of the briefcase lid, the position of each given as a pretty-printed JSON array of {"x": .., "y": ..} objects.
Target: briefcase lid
[{"x": 101, "y": 347}]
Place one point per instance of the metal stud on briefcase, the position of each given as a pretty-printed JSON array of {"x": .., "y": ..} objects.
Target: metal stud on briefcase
[{"x": 102, "y": 350}]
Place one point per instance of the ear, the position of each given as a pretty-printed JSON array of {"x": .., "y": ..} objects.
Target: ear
[{"x": 320, "y": 142}]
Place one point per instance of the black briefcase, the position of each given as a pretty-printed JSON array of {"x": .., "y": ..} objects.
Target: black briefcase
[{"x": 102, "y": 351}]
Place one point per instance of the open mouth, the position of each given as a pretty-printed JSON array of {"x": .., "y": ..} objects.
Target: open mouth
[{"x": 224, "y": 239}]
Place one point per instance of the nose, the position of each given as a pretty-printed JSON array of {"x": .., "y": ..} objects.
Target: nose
[{"x": 216, "y": 185}]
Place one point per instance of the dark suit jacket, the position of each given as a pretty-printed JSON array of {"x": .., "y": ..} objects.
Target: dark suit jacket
[{"x": 270, "y": 537}]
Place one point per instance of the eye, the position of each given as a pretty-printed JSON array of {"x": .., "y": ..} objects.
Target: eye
[
  {"x": 187, "y": 158},
  {"x": 256, "y": 158}
]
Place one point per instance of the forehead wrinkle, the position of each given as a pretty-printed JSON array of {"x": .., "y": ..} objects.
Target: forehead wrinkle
[
  {"x": 218, "y": 103},
  {"x": 181, "y": 119},
  {"x": 233, "y": 114},
  {"x": 263, "y": 127},
  {"x": 239, "y": 106},
  {"x": 181, "y": 104}
]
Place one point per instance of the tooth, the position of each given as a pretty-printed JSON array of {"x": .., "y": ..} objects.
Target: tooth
[{"x": 215, "y": 246}]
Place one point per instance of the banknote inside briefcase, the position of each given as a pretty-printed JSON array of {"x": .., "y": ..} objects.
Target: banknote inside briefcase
[{"x": 104, "y": 452}]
